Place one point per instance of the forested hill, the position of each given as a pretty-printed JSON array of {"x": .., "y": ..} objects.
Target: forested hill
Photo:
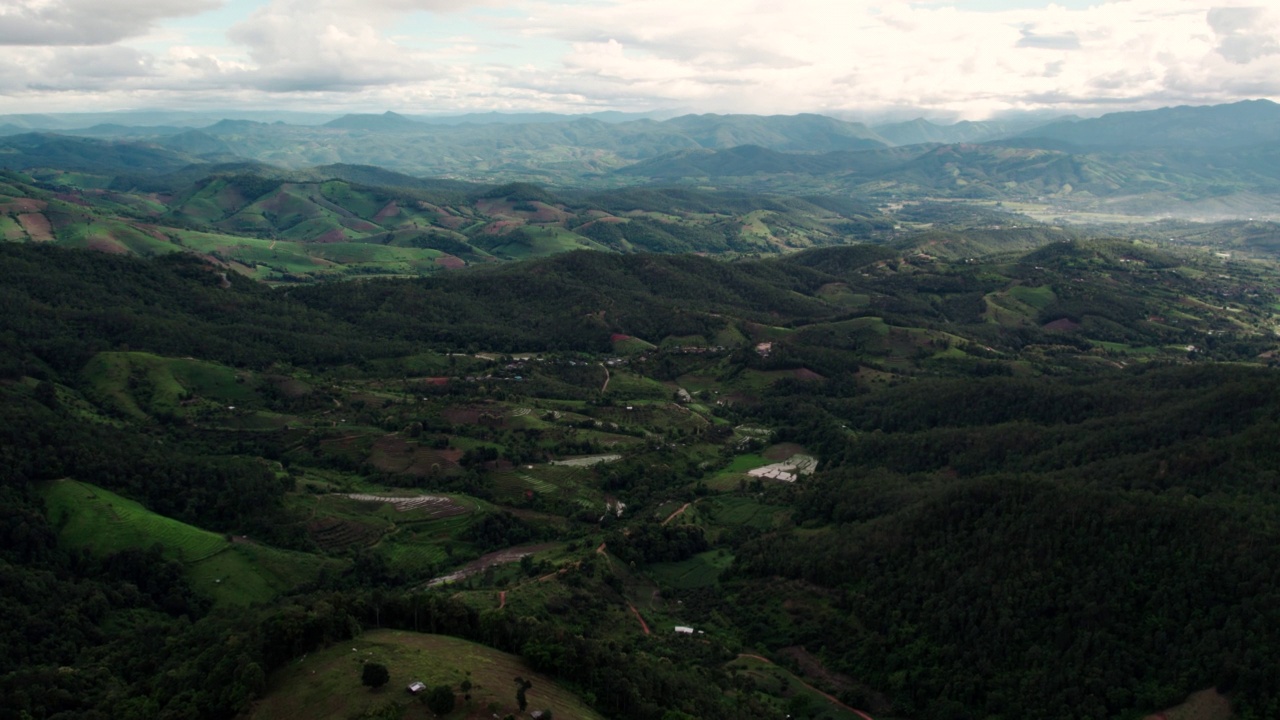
[{"x": 927, "y": 484}]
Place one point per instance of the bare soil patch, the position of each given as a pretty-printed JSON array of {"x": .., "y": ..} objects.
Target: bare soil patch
[
  {"x": 807, "y": 374},
  {"x": 391, "y": 210},
  {"x": 394, "y": 454},
  {"x": 333, "y": 236},
  {"x": 782, "y": 451},
  {"x": 37, "y": 226},
  {"x": 1203, "y": 705},
  {"x": 23, "y": 205},
  {"x": 450, "y": 262},
  {"x": 107, "y": 245},
  {"x": 335, "y": 534},
  {"x": 500, "y": 557},
  {"x": 437, "y": 506},
  {"x": 1062, "y": 325}
]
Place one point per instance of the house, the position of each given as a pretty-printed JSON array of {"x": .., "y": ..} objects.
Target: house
[
  {"x": 684, "y": 630},
  {"x": 416, "y": 687}
]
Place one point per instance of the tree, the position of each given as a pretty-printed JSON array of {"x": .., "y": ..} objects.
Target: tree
[
  {"x": 375, "y": 675},
  {"x": 440, "y": 700}
]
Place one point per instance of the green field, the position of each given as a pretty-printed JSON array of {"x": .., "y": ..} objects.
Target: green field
[
  {"x": 701, "y": 570},
  {"x": 140, "y": 384},
  {"x": 106, "y": 522},
  {"x": 237, "y": 573},
  {"x": 780, "y": 682},
  {"x": 326, "y": 685}
]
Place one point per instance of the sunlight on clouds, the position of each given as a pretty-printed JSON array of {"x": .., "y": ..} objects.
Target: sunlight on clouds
[{"x": 948, "y": 59}]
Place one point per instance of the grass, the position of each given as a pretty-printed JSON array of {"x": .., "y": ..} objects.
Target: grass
[
  {"x": 701, "y": 570},
  {"x": 326, "y": 685},
  {"x": 89, "y": 516},
  {"x": 141, "y": 384},
  {"x": 239, "y": 573},
  {"x": 781, "y": 683},
  {"x": 743, "y": 463},
  {"x": 739, "y": 510},
  {"x": 1037, "y": 297}
]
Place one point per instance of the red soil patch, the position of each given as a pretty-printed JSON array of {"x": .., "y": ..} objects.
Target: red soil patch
[
  {"x": 107, "y": 245},
  {"x": 453, "y": 222},
  {"x": 807, "y": 374},
  {"x": 450, "y": 262},
  {"x": 782, "y": 451},
  {"x": 672, "y": 516},
  {"x": 74, "y": 199},
  {"x": 23, "y": 205},
  {"x": 433, "y": 380},
  {"x": 546, "y": 214},
  {"x": 394, "y": 454},
  {"x": 643, "y": 625},
  {"x": 618, "y": 337},
  {"x": 391, "y": 210},
  {"x": 1062, "y": 324},
  {"x": 37, "y": 226},
  {"x": 333, "y": 236},
  {"x": 335, "y": 533},
  {"x": 501, "y": 227}
]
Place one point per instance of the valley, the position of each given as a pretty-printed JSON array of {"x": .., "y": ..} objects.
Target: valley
[{"x": 781, "y": 446}]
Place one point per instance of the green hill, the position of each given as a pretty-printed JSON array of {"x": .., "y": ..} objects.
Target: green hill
[
  {"x": 232, "y": 573},
  {"x": 326, "y": 684}
]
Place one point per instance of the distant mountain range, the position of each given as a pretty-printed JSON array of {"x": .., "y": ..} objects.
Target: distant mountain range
[{"x": 1133, "y": 161}]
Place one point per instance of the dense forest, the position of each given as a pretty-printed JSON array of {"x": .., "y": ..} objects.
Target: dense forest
[{"x": 1046, "y": 478}]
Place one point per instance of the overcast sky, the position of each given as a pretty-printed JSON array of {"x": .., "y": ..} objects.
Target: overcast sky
[{"x": 947, "y": 58}]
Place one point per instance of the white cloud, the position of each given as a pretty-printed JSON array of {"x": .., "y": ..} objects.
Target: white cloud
[
  {"x": 864, "y": 55},
  {"x": 87, "y": 22},
  {"x": 852, "y": 56}
]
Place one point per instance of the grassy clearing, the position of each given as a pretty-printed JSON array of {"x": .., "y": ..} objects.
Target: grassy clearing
[
  {"x": 326, "y": 685},
  {"x": 739, "y": 510},
  {"x": 743, "y": 463},
  {"x": 781, "y": 683},
  {"x": 701, "y": 570},
  {"x": 238, "y": 573},
  {"x": 140, "y": 384},
  {"x": 1037, "y": 297},
  {"x": 106, "y": 522}
]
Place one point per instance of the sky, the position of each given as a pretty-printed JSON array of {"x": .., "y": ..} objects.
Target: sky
[{"x": 943, "y": 59}]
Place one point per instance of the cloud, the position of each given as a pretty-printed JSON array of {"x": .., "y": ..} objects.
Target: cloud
[
  {"x": 88, "y": 22},
  {"x": 1067, "y": 41},
  {"x": 856, "y": 57},
  {"x": 864, "y": 56},
  {"x": 299, "y": 45},
  {"x": 1245, "y": 34}
]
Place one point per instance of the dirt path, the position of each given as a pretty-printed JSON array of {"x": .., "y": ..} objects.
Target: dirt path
[
  {"x": 831, "y": 699},
  {"x": 606, "y": 378},
  {"x": 502, "y": 599},
  {"x": 644, "y": 625},
  {"x": 677, "y": 513}
]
